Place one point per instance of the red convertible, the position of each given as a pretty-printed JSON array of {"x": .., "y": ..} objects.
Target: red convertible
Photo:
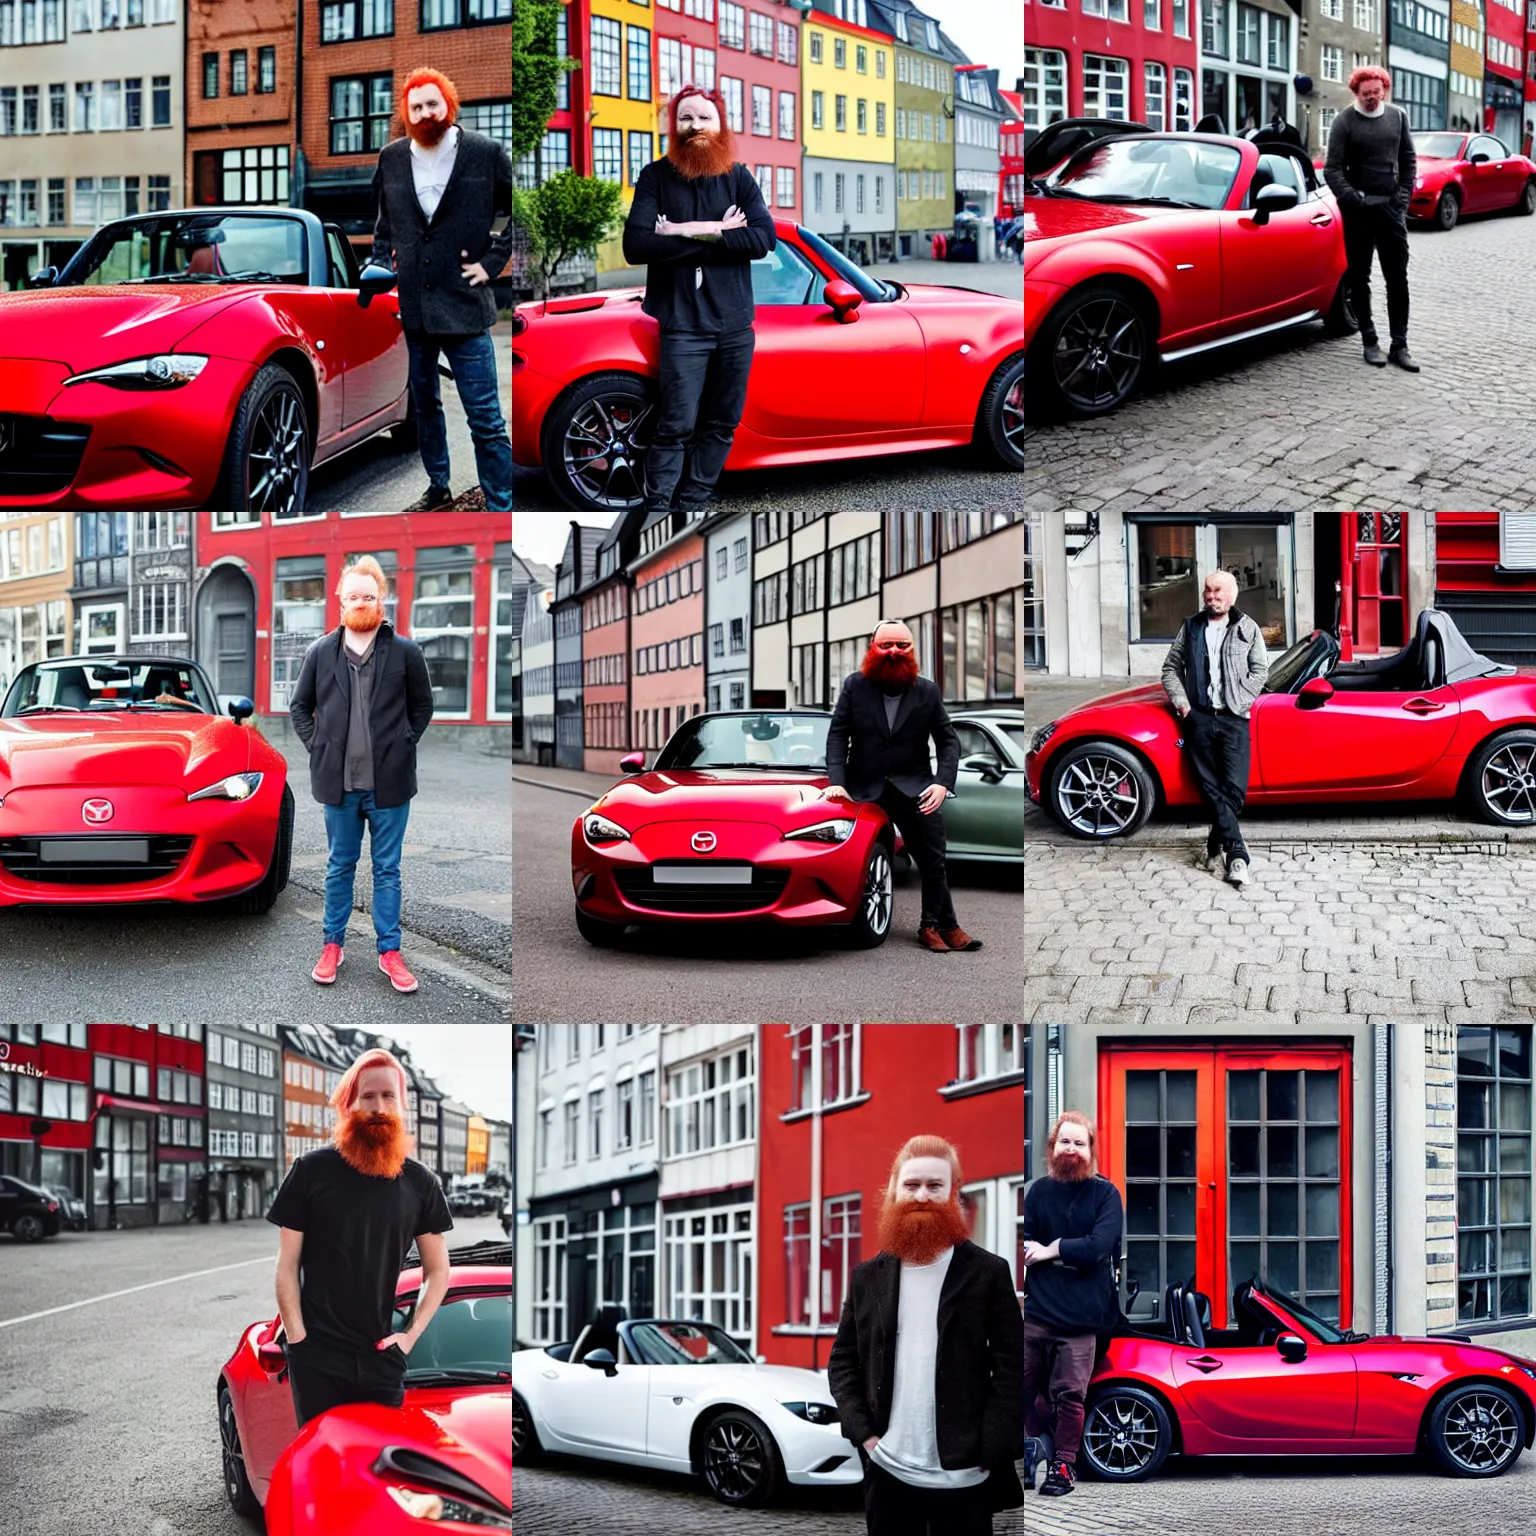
[
  {"x": 1282, "y": 1381},
  {"x": 1434, "y": 721},
  {"x": 924, "y": 367},
  {"x": 1468, "y": 173},
  {"x": 442, "y": 1461},
  {"x": 205, "y": 357},
  {"x": 1144, "y": 247}
]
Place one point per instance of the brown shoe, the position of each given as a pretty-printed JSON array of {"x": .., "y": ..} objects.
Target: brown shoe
[
  {"x": 958, "y": 938},
  {"x": 929, "y": 939}
]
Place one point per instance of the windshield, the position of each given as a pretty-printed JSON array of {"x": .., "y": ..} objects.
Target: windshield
[
  {"x": 81, "y": 685},
  {"x": 1297, "y": 664},
  {"x": 1304, "y": 1315},
  {"x": 870, "y": 287},
  {"x": 766, "y": 740},
  {"x": 192, "y": 248},
  {"x": 686, "y": 1344},
  {"x": 1146, "y": 170},
  {"x": 468, "y": 1339},
  {"x": 1015, "y": 734},
  {"x": 1438, "y": 146}
]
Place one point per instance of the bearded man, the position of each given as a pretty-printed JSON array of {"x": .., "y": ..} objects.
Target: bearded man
[
  {"x": 1072, "y": 1225},
  {"x": 925, "y": 1369},
  {"x": 697, "y": 223},
  {"x": 362, "y": 702},
  {"x": 347, "y": 1215},
  {"x": 877, "y": 750}
]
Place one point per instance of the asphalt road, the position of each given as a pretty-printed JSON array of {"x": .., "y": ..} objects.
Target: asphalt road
[
  {"x": 746, "y": 974},
  {"x": 108, "y": 1422}
]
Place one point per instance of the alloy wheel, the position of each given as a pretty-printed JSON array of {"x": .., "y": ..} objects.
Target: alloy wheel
[
  {"x": 29, "y": 1228},
  {"x": 519, "y": 1429},
  {"x": 275, "y": 461},
  {"x": 1120, "y": 1435},
  {"x": 604, "y": 450},
  {"x": 229, "y": 1444},
  {"x": 1482, "y": 1431},
  {"x": 1099, "y": 353},
  {"x": 1509, "y": 783},
  {"x": 1013, "y": 415},
  {"x": 733, "y": 1460},
  {"x": 877, "y": 893},
  {"x": 1099, "y": 796}
]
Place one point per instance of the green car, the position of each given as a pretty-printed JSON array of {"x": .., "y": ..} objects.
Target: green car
[{"x": 985, "y": 819}]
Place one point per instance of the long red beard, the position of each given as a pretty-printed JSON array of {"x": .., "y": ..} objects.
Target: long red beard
[
  {"x": 918, "y": 1232},
  {"x": 373, "y": 1144},
  {"x": 895, "y": 670},
  {"x": 702, "y": 154},
  {"x": 1069, "y": 1167},
  {"x": 362, "y": 621},
  {"x": 429, "y": 131}
]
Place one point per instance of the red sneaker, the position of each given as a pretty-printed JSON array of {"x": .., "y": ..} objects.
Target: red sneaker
[
  {"x": 326, "y": 966},
  {"x": 394, "y": 967}
]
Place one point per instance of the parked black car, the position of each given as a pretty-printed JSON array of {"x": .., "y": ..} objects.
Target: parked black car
[
  {"x": 71, "y": 1208},
  {"x": 27, "y": 1212}
]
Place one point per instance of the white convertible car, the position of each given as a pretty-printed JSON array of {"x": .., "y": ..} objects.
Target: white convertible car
[{"x": 682, "y": 1397}]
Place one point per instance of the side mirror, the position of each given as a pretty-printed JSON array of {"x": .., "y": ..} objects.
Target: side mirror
[
  {"x": 1482, "y": 157},
  {"x": 241, "y": 708},
  {"x": 44, "y": 277},
  {"x": 1292, "y": 1348},
  {"x": 988, "y": 767},
  {"x": 1315, "y": 692},
  {"x": 375, "y": 279},
  {"x": 271, "y": 1359},
  {"x": 601, "y": 1360},
  {"x": 844, "y": 299},
  {"x": 1273, "y": 199},
  {"x": 634, "y": 762}
]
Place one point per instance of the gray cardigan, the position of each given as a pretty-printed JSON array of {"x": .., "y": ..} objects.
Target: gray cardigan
[{"x": 434, "y": 295}]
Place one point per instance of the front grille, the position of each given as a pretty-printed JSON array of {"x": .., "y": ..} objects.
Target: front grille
[
  {"x": 639, "y": 890},
  {"x": 39, "y": 455},
  {"x": 22, "y": 859}
]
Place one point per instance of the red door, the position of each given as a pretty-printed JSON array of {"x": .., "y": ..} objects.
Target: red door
[
  {"x": 1267, "y": 270},
  {"x": 1251, "y": 1394}
]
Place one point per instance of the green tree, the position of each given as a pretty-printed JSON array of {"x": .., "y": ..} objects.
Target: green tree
[
  {"x": 536, "y": 71},
  {"x": 569, "y": 213}
]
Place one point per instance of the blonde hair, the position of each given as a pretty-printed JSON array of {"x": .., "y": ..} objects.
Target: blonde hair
[
  {"x": 925, "y": 1146},
  {"x": 365, "y": 565}
]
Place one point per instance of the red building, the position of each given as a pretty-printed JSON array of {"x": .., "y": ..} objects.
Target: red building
[
  {"x": 45, "y": 1104},
  {"x": 759, "y": 66},
  {"x": 836, "y": 1103},
  {"x": 267, "y": 590},
  {"x": 667, "y": 630},
  {"x": 1010, "y": 145},
  {"x": 1504, "y": 81},
  {"x": 1485, "y": 578}
]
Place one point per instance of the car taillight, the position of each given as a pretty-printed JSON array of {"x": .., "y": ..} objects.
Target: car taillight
[{"x": 53, "y": 1205}]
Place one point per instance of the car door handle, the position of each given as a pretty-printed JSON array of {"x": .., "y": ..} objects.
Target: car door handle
[
  {"x": 1321, "y": 218},
  {"x": 1205, "y": 1363},
  {"x": 550, "y": 1375},
  {"x": 1423, "y": 707}
]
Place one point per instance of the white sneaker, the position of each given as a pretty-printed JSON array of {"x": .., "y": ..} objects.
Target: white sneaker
[{"x": 1237, "y": 871}]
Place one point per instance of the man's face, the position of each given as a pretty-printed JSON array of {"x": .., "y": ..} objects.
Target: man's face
[
  {"x": 378, "y": 1093},
  {"x": 925, "y": 1180},
  {"x": 695, "y": 115},
  {"x": 1371, "y": 94},
  {"x": 362, "y": 607},
  {"x": 1071, "y": 1156},
  {"x": 426, "y": 101},
  {"x": 1220, "y": 593},
  {"x": 893, "y": 640}
]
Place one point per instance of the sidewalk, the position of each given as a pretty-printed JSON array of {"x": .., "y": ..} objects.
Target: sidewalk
[{"x": 569, "y": 780}]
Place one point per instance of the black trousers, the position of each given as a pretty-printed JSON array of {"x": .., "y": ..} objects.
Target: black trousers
[
  {"x": 895, "y": 1508},
  {"x": 1218, "y": 748},
  {"x": 701, "y": 392},
  {"x": 322, "y": 1378},
  {"x": 924, "y": 838},
  {"x": 1368, "y": 233}
]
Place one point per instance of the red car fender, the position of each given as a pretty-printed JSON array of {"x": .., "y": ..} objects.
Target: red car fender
[
  {"x": 1150, "y": 730},
  {"x": 1090, "y": 259}
]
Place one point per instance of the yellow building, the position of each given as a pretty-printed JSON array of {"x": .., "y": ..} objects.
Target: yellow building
[
  {"x": 618, "y": 95},
  {"x": 1464, "y": 108},
  {"x": 478, "y": 1147},
  {"x": 36, "y": 573}
]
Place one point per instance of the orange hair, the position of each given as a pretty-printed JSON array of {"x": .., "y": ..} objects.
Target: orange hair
[
  {"x": 429, "y": 77},
  {"x": 1074, "y": 1117},
  {"x": 925, "y": 1146},
  {"x": 346, "y": 1089},
  {"x": 366, "y": 566}
]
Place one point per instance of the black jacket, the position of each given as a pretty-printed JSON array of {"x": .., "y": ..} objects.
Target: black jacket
[
  {"x": 400, "y": 708},
  {"x": 979, "y": 1371},
  {"x": 1078, "y": 1293},
  {"x": 672, "y": 294},
  {"x": 864, "y": 753},
  {"x": 434, "y": 294}
]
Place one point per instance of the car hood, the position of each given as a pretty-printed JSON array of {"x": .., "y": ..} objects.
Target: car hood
[
  {"x": 720, "y": 794},
  {"x": 475, "y": 1420},
  {"x": 784, "y": 1383},
  {"x": 1141, "y": 697},
  {"x": 85, "y": 328},
  {"x": 952, "y": 294},
  {"x": 1439, "y": 1346},
  {"x": 84, "y": 752}
]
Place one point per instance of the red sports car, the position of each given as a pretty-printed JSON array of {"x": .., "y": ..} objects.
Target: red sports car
[
  {"x": 121, "y": 781},
  {"x": 924, "y": 367},
  {"x": 1468, "y": 173},
  {"x": 441, "y": 1462},
  {"x": 1282, "y": 1381},
  {"x": 730, "y": 825},
  {"x": 1144, "y": 247},
  {"x": 1434, "y": 721},
  {"x": 205, "y": 357}
]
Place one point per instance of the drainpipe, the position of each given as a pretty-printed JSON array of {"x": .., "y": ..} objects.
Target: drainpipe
[
  {"x": 1346, "y": 586},
  {"x": 816, "y": 1178}
]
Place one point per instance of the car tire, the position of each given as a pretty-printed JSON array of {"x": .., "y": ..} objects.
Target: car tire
[
  {"x": 595, "y": 931},
  {"x": 1527, "y": 204},
  {"x": 262, "y": 897},
  {"x": 751, "y": 1479},
  {"x": 271, "y": 418},
  {"x": 1476, "y": 1430},
  {"x": 1098, "y": 790},
  {"x": 1447, "y": 211},
  {"x": 602, "y": 481},
  {"x": 1340, "y": 319},
  {"x": 1000, "y": 416},
  {"x": 1086, "y": 312},
  {"x": 237, "y": 1485},
  {"x": 872, "y": 923},
  {"x": 1131, "y": 1435},
  {"x": 526, "y": 1450},
  {"x": 28, "y": 1228},
  {"x": 1506, "y": 758}
]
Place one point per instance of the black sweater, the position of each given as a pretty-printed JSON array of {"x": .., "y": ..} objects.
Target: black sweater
[
  {"x": 1076, "y": 1295},
  {"x": 1371, "y": 162},
  {"x": 673, "y": 293}
]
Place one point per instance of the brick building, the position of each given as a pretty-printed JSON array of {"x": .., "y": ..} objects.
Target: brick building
[
  {"x": 605, "y": 647},
  {"x": 667, "y": 641}
]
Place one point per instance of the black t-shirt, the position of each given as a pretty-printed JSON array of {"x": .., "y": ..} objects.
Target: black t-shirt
[
  {"x": 1077, "y": 1293},
  {"x": 357, "y": 1229}
]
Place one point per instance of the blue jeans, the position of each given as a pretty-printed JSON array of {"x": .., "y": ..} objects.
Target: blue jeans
[
  {"x": 473, "y": 361},
  {"x": 344, "y": 839}
]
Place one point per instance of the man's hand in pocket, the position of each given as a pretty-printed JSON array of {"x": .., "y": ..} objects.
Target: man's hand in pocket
[{"x": 404, "y": 1340}]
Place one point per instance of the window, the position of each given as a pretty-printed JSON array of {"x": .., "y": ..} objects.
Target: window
[
  {"x": 549, "y": 1279},
  {"x": 861, "y": 120},
  {"x": 160, "y": 110},
  {"x": 607, "y": 64},
  {"x": 572, "y": 1111},
  {"x": 818, "y": 116},
  {"x": 238, "y": 81},
  {"x": 85, "y": 106},
  {"x": 733, "y": 25},
  {"x": 1213, "y": 29},
  {"x": 442, "y": 622},
  {"x": 1152, "y": 15},
  {"x": 608, "y": 155},
  {"x": 789, "y": 43},
  {"x": 797, "y": 1265},
  {"x": 1332, "y": 63},
  {"x": 839, "y": 1252},
  {"x": 111, "y": 105},
  {"x": 839, "y": 53},
  {"x": 623, "y": 1114},
  {"x": 1155, "y": 87},
  {"x": 710, "y": 1254},
  {"x": 58, "y": 117},
  {"x": 879, "y": 123},
  {"x": 641, "y": 152},
  {"x": 978, "y": 642},
  {"x": 361, "y": 109},
  {"x": 989, "y": 1050},
  {"x": 266, "y": 70},
  {"x": 710, "y": 1104},
  {"x": 786, "y": 114},
  {"x": 639, "y": 40},
  {"x": 1044, "y": 87},
  {"x": 595, "y": 1123},
  {"x": 841, "y": 119},
  {"x": 816, "y": 47},
  {"x": 760, "y": 37},
  {"x": 647, "y": 1108},
  {"x": 839, "y": 1062},
  {"x": 730, "y": 93},
  {"x": 133, "y": 102},
  {"x": 762, "y": 110}
]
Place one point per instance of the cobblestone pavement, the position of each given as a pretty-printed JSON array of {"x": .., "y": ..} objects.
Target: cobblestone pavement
[{"x": 1297, "y": 420}]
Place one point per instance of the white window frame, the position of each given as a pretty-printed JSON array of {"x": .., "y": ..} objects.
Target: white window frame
[
  {"x": 570, "y": 1140},
  {"x": 466, "y": 632},
  {"x": 730, "y": 1305},
  {"x": 549, "y": 1244},
  {"x": 704, "y": 1096},
  {"x": 595, "y": 1097}
]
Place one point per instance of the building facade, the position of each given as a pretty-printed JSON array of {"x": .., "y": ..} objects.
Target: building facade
[
  {"x": 538, "y": 678},
  {"x": 727, "y": 610},
  {"x": 925, "y": 110},
  {"x": 313, "y": 1064},
  {"x": 979, "y": 114},
  {"x": 132, "y": 582},
  {"x": 1010, "y": 146},
  {"x": 36, "y": 572},
  {"x": 615, "y": 82},
  {"x": 454, "y": 1159},
  {"x": 46, "y": 1109},
  {"x": 244, "y": 1065},
  {"x": 1464, "y": 107},
  {"x": 666, "y": 631},
  {"x": 1419, "y": 56},
  {"x": 759, "y": 77},
  {"x": 1338, "y": 37},
  {"x": 1248, "y": 62},
  {"x": 605, "y": 646},
  {"x": 1504, "y": 72},
  {"x": 568, "y": 612}
]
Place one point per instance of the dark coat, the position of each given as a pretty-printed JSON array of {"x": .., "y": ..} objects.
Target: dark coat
[
  {"x": 979, "y": 1371},
  {"x": 1076, "y": 1293},
  {"x": 864, "y": 753},
  {"x": 400, "y": 707},
  {"x": 434, "y": 294}
]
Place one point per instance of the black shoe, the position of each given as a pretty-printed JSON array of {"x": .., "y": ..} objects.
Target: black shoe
[
  {"x": 1058, "y": 1479},
  {"x": 1404, "y": 359},
  {"x": 1374, "y": 355},
  {"x": 433, "y": 496},
  {"x": 1034, "y": 1454}
]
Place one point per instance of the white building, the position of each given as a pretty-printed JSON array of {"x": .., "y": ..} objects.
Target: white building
[{"x": 727, "y": 611}]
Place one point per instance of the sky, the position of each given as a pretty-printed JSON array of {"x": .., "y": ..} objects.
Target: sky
[
  {"x": 471, "y": 1062},
  {"x": 990, "y": 31},
  {"x": 541, "y": 535}
]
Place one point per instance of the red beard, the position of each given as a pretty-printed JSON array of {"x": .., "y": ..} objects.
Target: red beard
[
  {"x": 1069, "y": 1167},
  {"x": 429, "y": 131},
  {"x": 362, "y": 621},
  {"x": 373, "y": 1144},
  {"x": 702, "y": 154},
  {"x": 917, "y": 1232},
  {"x": 890, "y": 669}
]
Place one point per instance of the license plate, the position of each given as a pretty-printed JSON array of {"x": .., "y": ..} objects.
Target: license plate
[
  {"x": 95, "y": 851},
  {"x": 702, "y": 874}
]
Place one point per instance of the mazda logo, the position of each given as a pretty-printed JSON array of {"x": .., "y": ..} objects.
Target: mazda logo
[
  {"x": 703, "y": 842},
  {"x": 96, "y": 811},
  {"x": 7, "y": 433},
  {"x": 5, "y": 1051}
]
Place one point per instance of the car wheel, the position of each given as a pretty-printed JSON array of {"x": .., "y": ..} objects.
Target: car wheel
[
  {"x": 254, "y": 902},
  {"x": 1099, "y": 790},
  {"x": 595, "y": 931},
  {"x": 594, "y": 440},
  {"x": 1527, "y": 203},
  {"x": 1501, "y": 780},
  {"x": 266, "y": 460},
  {"x": 740, "y": 1461},
  {"x": 1000, "y": 417},
  {"x": 526, "y": 1449},
  {"x": 1447, "y": 210},
  {"x": 1340, "y": 319},
  {"x": 1476, "y": 1431},
  {"x": 872, "y": 923},
  {"x": 1092, "y": 351},
  {"x": 1127, "y": 1435},
  {"x": 29, "y": 1228},
  {"x": 237, "y": 1486}
]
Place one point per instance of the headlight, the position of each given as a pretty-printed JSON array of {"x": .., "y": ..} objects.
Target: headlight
[
  {"x": 599, "y": 829},
  {"x": 238, "y": 786},
  {"x": 1043, "y": 735},
  {"x": 813, "y": 1413},
  {"x": 440, "y": 1511},
  {"x": 168, "y": 370},
  {"x": 838, "y": 830}
]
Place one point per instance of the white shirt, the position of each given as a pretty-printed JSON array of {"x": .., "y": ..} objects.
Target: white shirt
[
  {"x": 431, "y": 168},
  {"x": 1215, "y": 633},
  {"x": 909, "y": 1448}
]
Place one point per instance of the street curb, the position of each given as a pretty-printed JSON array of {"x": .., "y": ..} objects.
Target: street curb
[
  {"x": 564, "y": 789},
  {"x": 1493, "y": 847}
]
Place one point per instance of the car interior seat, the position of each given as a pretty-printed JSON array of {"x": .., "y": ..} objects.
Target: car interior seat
[
  {"x": 1434, "y": 661},
  {"x": 71, "y": 691},
  {"x": 1194, "y": 1327},
  {"x": 1173, "y": 1311}
]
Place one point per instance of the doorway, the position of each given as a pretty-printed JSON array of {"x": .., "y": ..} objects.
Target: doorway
[{"x": 226, "y": 632}]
